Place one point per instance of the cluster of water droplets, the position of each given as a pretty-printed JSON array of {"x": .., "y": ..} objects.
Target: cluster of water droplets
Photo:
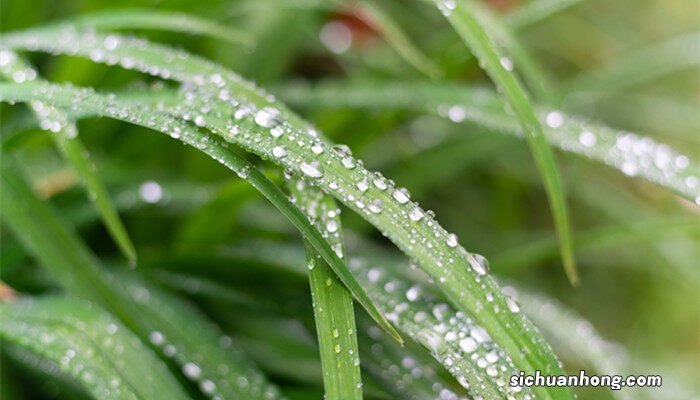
[
  {"x": 68, "y": 344},
  {"x": 219, "y": 100},
  {"x": 632, "y": 154},
  {"x": 216, "y": 383},
  {"x": 50, "y": 118},
  {"x": 454, "y": 339},
  {"x": 407, "y": 372},
  {"x": 628, "y": 152}
]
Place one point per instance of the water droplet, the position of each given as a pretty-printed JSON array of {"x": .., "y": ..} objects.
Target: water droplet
[
  {"x": 478, "y": 263},
  {"x": 457, "y": 113},
  {"x": 380, "y": 183},
  {"x": 415, "y": 214},
  {"x": 587, "y": 138},
  {"x": 451, "y": 240},
  {"x": 413, "y": 293},
  {"x": 401, "y": 195},
  {"x": 336, "y": 36},
  {"x": 151, "y": 192},
  {"x": 317, "y": 148},
  {"x": 468, "y": 344},
  {"x": 267, "y": 117},
  {"x": 279, "y": 151},
  {"x": 512, "y": 305},
  {"x": 191, "y": 370},
  {"x": 375, "y": 206},
  {"x": 332, "y": 226},
  {"x": 362, "y": 186},
  {"x": 311, "y": 169},
  {"x": 554, "y": 119},
  {"x": 507, "y": 63},
  {"x": 207, "y": 386}
]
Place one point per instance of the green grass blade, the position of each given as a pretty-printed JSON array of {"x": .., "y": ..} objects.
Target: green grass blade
[
  {"x": 89, "y": 345},
  {"x": 65, "y": 135},
  {"x": 376, "y": 16},
  {"x": 667, "y": 57},
  {"x": 176, "y": 329},
  {"x": 537, "y": 10},
  {"x": 216, "y": 97},
  {"x": 631, "y": 153},
  {"x": 569, "y": 330},
  {"x": 658, "y": 164},
  {"x": 538, "y": 251},
  {"x": 157, "y": 20},
  {"x": 520, "y": 59},
  {"x": 140, "y": 114},
  {"x": 332, "y": 302},
  {"x": 452, "y": 338},
  {"x": 471, "y": 30}
]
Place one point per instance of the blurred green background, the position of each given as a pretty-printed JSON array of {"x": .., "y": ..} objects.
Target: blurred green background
[{"x": 637, "y": 255}]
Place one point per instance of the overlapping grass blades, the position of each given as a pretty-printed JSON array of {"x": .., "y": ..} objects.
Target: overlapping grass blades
[
  {"x": 332, "y": 302},
  {"x": 142, "y": 114},
  {"x": 631, "y": 153},
  {"x": 462, "y": 276},
  {"x": 499, "y": 67},
  {"x": 65, "y": 135},
  {"x": 453, "y": 339},
  {"x": 89, "y": 345},
  {"x": 180, "y": 332},
  {"x": 157, "y": 20}
]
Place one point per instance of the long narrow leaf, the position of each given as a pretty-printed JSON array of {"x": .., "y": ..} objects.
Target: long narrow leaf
[
  {"x": 462, "y": 276},
  {"x": 333, "y": 309},
  {"x": 137, "y": 113},
  {"x": 90, "y": 346},
  {"x": 629, "y": 152},
  {"x": 65, "y": 135},
  {"x": 157, "y": 19},
  {"x": 471, "y": 30},
  {"x": 178, "y": 331}
]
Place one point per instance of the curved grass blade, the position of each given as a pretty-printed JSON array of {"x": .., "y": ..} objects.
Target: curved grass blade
[
  {"x": 65, "y": 135},
  {"x": 461, "y": 275},
  {"x": 141, "y": 114},
  {"x": 531, "y": 70},
  {"x": 640, "y": 66},
  {"x": 90, "y": 346},
  {"x": 455, "y": 340},
  {"x": 406, "y": 371},
  {"x": 376, "y": 16},
  {"x": 157, "y": 20},
  {"x": 583, "y": 342},
  {"x": 332, "y": 302},
  {"x": 632, "y": 154},
  {"x": 471, "y": 30},
  {"x": 536, "y": 252},
  {"x": 537, "y": 10},
  {"x": 177, "y": 330}
]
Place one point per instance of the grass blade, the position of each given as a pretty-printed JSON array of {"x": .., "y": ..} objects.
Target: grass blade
[
  {"x": 157, "y": 20},
  {"x": 640, "y": 66},
  {"x": 537, "y": 10},
  {"x": 135, "y": 112},
  {"x": 165, "y": 322},
  {"x": 376, "y": 16},
  {"x": 631, "y": 153},
  {"x": 471, "y": 30},
  {"x": 216, "y": 97},
  {"x": 332, "y": 302},
  {"x": 452, "y": 338},
  {"x": 89, "y": 345},
  {"x": 65, "y": 135}
]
